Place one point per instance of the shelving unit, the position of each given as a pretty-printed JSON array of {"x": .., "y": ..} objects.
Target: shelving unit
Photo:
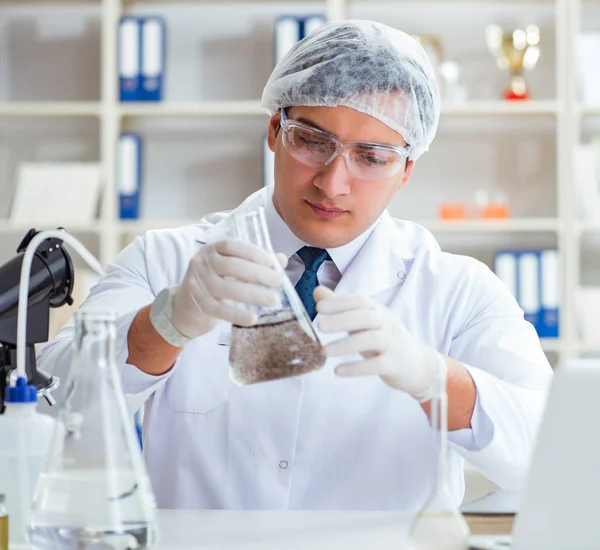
[{"x": 535, "y": 136}]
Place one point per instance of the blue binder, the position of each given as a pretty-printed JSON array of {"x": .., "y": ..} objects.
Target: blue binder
[
  {"x": 533, "y": 278},
  {"x": 129, "y": 175},
  {"x": 129, "y": 49},
  {"x": 153, "y": 58}
]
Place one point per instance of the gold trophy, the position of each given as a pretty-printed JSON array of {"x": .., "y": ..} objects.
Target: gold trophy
[{"x": 518, "y": 51}]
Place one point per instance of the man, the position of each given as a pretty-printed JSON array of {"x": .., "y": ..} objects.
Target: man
[{"x": 353, "y": 107}]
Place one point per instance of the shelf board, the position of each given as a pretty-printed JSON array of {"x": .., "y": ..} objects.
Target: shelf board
[
  {"x": 590, "y": 347},
  {"x": 551, "y": 344},
  {"x": 592, "y": 110},
  {"x": 50, "y": 108},
  {"x": 521, "y": 225},
  {"x": 252, "y": 107},
  {"x": 586, "y": 227},
  {"x": 500, "y": 108},
  {"x": 481, "y": 3},
  {"x": 131, "y": 227},
  {"x": 128, "y": 3},
  {"x": 7, "y": 227},
  {"x": 47, "y": 2},
  {"x": 246, "y": 108},
  {"x": 191, "y": 108},
  {"x": 511, "y": 225}
]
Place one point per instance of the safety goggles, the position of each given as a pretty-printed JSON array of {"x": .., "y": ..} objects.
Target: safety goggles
[{"x": 366, "y": 161}]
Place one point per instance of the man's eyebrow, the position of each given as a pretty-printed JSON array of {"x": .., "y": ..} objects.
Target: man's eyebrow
[{"x": 311, "y": 123}]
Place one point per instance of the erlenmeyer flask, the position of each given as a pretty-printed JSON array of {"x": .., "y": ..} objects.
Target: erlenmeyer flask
[
  {"x": 93, "y": 491},
  {"x": 439, "y": 525},
  {"x": 283, "y": 342}
]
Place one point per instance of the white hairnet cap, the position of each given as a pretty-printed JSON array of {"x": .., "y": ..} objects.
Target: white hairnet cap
[{"x": 364, "y": 65}]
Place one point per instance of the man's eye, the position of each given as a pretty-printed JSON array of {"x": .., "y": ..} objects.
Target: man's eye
[
  {"x": 370, "y": 158},
  {"x": 313, "y": 142}
]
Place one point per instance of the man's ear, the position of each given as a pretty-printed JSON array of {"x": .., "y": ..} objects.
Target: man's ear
[
  {"x": 273, "y": 131},
  {"x": 407, "y": 173}
]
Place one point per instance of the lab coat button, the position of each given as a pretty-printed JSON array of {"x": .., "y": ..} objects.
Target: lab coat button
[
  {"x": 283, "y": 464},
  {"x": 401, "y": 275}
]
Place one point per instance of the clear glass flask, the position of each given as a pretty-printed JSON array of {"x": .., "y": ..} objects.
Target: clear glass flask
[
  {"x": 3, "y": 524},
  {"x": 439, "y": 525},
  {"x": 93, "y": 491},
  {"x": 283, "y": 342}
]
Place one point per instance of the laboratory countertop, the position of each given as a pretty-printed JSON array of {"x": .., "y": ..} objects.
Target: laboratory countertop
[{"x": 297, "y": 530}]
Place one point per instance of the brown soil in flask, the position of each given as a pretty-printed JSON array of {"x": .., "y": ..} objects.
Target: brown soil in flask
[{"x": 275, "y": 348}]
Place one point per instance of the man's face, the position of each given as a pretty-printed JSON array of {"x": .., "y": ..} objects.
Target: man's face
[{"x": 328, "y": 206}]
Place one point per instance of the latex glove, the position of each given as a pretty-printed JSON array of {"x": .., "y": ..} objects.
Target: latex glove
[
  {"x": 388, "y": 348},
  {"x": 229, "y": 270}
]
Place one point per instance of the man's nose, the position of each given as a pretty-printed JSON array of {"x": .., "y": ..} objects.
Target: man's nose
[{"x": 334, "y": 178}]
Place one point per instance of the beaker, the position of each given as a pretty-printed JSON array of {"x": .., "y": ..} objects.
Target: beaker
[
  {"x": 283, "y": 342},
  {"x": 93, "y": 491},
  {"x": 439, "y": 525}
]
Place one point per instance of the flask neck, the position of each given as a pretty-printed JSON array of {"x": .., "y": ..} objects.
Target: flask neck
[
  {"x": 439, "y": 425},
  {"x": 94, "y": 340}
]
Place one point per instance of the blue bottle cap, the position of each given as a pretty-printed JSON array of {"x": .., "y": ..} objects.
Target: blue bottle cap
[{"x": 21, "y": 393}]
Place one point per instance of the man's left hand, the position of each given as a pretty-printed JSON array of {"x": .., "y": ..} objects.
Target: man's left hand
[{"x": 387, "y": 347}]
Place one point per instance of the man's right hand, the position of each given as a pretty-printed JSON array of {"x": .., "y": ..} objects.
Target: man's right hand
[{"x": 229, "y": 270}]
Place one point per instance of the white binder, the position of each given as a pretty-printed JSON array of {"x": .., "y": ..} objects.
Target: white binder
[
  {"x": 153, "y": 58},
  {"x": 312, "y": 23},
  {"x": 529, "y": 286},
  {"x": 288, "y": 30},
  {"x": 505, "y": 267},
  {"x": 129, "y": 176},
  {"x": 129, "y": 59}
]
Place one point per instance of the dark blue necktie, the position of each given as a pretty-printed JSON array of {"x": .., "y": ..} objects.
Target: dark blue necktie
[{"x": 312, "y": 258}]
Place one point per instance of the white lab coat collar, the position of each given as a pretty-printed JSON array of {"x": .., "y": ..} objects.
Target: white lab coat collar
[
  {"x": 343, "y": 256},
  {"x": 282, "y": 237},
  {"x": 381, "y": 261}
]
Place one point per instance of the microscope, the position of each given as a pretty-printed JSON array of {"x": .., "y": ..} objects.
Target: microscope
[{"x": 50, "y": 285}]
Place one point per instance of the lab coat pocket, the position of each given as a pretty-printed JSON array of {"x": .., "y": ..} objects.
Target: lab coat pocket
[{"x": 201, "y": 382}]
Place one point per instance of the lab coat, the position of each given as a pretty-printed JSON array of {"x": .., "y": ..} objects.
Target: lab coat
[{"x": 317, "y": 441}]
